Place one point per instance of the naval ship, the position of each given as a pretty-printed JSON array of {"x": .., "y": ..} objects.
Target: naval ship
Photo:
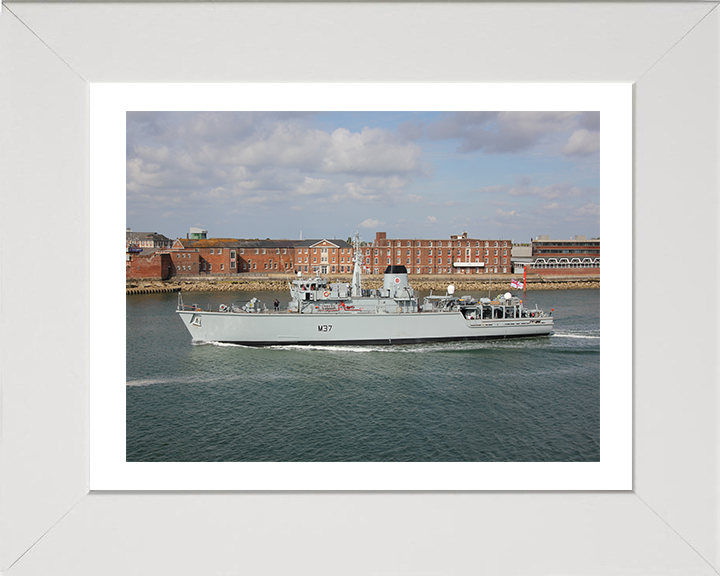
[{"x": 325, "y": 313}]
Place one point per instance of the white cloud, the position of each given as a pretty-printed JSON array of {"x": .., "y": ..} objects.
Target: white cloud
[
  {"x": 499, "y": 132},
  {"x": 431, "y": 220},
  {"x": 370, "y": 223},
  {"x": 371, "y": 151},
  {"x": 374, "y": 189},
  {"x": 551, "y": 206},
  {"x": 590, "y": 209},
  {"x": 492, "y": 189},
  {"x": 582, "y": 142},
  {"x": 548, "y": 192}
]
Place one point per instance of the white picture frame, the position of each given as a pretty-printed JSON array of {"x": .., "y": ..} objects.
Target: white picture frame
[{"x": 667, "y": 524}]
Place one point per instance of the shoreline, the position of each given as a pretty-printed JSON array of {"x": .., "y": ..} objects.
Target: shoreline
[{"x": 419, "y": 283}]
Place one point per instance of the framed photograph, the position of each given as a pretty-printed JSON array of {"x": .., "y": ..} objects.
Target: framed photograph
[
  {"x": 115, "y": 463},
  {"x": 61, "y": 368}
]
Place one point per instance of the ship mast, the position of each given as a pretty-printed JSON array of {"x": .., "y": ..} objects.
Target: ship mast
[{"x": 356, "y": 282}]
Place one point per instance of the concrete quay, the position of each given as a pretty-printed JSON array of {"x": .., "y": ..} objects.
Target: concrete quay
[{"x": 437, "y": 284}]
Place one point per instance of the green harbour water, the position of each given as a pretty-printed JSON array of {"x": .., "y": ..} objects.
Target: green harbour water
[{"x": 519, "y": 400}]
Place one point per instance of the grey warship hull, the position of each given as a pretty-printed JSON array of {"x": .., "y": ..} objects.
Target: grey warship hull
[{"x": 268, "y": 328}]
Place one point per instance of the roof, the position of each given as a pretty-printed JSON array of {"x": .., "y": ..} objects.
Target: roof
[
  {"x": 334, "y": 242},
  {"x": 235, "y": 243},
  {"x": 146, "y": 252},
  {"x": 144, "y": 235}
]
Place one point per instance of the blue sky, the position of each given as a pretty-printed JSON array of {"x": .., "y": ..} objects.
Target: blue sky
[{"x": 510, "y": 175}]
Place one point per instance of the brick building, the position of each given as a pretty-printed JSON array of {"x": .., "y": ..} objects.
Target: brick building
[
  {"x": 149, "y": 264},
  {"x": 458, "y": 255},
  {"x": 219, "y": 256},
  {"x": 324, "y": 257},
  {"x": 266, "y": 256}
]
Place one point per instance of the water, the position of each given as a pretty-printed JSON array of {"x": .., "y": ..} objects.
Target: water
[{"x": 520, "y": 400}]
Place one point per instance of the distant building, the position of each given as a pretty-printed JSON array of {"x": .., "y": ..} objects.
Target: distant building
[
  {"x": 146, "y": 240},
  {"x": 458, "y": 255},
  {"x": 233, "y": 256},
  {"x": 577, "y": 252},
  {"x": 324, "y": 257},
  {"x": 197, "y": 234},
  {"x": 150, "y": 264},
  {"x": 521, "y": 257}
]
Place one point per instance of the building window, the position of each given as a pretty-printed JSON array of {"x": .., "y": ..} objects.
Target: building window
[
  {"x": 257, "y": 250},
  {"x": 222, "y": 266},
  {"x": 264, "y": 251},
  {"x": 219, "y": 250},
  {"x": 209, "y": 267}
]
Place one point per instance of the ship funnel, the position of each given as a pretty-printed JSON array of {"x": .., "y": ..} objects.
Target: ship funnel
[{"x": 396, "y": 278}]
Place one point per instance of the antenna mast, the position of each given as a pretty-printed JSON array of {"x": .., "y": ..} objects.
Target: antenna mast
[{"x": 357, "y": 257}]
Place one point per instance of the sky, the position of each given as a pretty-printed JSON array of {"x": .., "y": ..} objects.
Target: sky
[{"x": 425, "y": 175}]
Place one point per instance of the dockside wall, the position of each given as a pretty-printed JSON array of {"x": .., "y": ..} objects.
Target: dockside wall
[{"x": 436, "y": 283}]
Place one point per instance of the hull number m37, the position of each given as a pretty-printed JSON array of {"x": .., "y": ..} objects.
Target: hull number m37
[{"x": 324, "y": 327}]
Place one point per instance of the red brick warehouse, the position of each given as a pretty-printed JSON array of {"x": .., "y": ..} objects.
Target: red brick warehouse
[{"x": 458, "y": 255}]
